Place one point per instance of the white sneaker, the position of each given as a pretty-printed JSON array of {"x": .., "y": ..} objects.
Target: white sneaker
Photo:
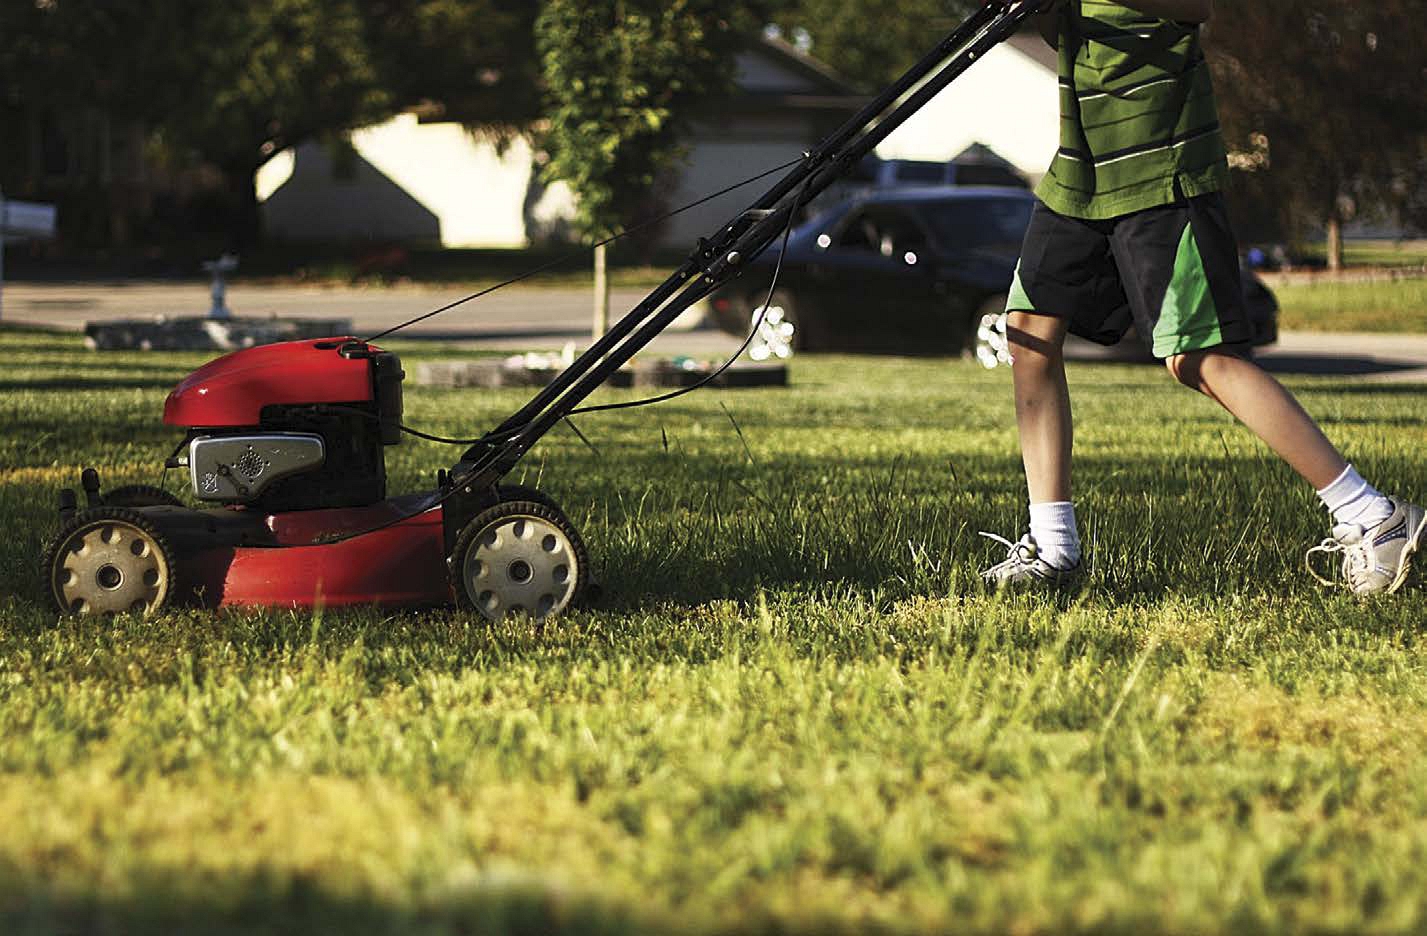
[
  {"x": 1023, "y": 565},
  {"x": 1378, "y": 559}
]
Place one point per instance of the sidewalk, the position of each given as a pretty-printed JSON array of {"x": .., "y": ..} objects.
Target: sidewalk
[
  {"x": 1376, "y": 357},
  {"x": 518, "y": 318}
]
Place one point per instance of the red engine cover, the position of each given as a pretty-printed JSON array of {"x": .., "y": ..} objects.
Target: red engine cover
[{"x": 232, "y": 390}]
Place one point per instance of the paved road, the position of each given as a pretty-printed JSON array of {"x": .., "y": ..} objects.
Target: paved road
[
  {"x": 523, "y": 318},
  {"x": 512, "y": 318}
]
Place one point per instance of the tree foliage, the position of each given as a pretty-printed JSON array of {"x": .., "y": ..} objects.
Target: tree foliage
[
  {"x": 234, "y": 84},
  {"x": 622, "y": 79},
  {"x": 1323, "y": 102},
  {"x": 870, "y": 42},
  {"x": 1321, "y": 99}
]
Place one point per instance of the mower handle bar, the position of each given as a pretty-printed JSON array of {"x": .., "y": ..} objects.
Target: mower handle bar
[{"x": 720, "y": 258}]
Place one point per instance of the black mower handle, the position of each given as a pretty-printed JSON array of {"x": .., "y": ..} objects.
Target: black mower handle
[{"x": 720, "y": 258}]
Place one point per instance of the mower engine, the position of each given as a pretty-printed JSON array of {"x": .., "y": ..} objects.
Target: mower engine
[{"x": 294, "y": 426}]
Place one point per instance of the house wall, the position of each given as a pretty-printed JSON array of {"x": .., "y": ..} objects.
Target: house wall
[
  {"x": 1007, "y": 101},
  {"x": 726, "y": 154},
  {"x": 406, "y": 181},
  {"x": 410, "y": 182}
]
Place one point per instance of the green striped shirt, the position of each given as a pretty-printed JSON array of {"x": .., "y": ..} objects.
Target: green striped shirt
[{"x": 1137, "y": 114}]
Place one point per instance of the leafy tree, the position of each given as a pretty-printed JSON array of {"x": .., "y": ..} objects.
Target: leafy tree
[
  {"x": 870, "y": 42},
  {"x": 234, "y": 84},
  {"x": 1323, "y": 101},
  {"x": 476, "y": 55},
  {"x": 622, "y": 79},
  {"x": 262, "y": 76}
]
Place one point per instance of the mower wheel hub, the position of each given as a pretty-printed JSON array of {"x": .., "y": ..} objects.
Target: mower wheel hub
[
  {"x": 110, "y": 562},
  {"x": 519, "y": 558}
]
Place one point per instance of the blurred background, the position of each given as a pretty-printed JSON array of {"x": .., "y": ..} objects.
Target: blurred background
[{"x": 439, "y": 139}]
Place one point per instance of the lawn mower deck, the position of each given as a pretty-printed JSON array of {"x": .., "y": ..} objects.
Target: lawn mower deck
[{"x": 285, "y": 443}]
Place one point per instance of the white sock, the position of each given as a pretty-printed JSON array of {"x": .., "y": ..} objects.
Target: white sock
[
  {"x": 1053, "y": 529},
  {"x": 1350, "y": 499}
]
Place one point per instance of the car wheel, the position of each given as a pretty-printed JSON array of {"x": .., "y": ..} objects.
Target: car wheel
[
  {"x": 1262, "y": 309},
  {"x": 989, "y": 342},
  {"x": 781, "y": 331}
]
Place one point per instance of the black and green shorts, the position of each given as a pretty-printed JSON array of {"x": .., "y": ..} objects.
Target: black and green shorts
[{"x": 1172, "y": 272}]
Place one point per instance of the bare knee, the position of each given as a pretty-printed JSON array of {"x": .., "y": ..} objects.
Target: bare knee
[
  {"x": 1189, "y": 369},
  {"x": 1035, "y": 338}
]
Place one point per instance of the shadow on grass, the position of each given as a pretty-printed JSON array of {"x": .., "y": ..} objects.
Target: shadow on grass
[
  {"x": 90, "y": 383},
  {"x": 259, "y": 907},
  {"x": 1323, "y": 365},
  {"x": 254, "y": 905}
]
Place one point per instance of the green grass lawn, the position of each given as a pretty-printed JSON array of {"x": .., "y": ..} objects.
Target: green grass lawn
[
  {"x": 1409, "y": 253},
  {"x": 1395, "y": 306},
  {"x": 794, "y": 710}
]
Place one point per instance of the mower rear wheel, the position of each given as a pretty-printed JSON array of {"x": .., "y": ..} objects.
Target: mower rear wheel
[
  {"x": 519, "y": 558},
  {"x": 110, "y": 560}
]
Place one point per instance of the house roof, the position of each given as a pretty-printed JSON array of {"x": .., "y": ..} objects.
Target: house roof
[
  {"x": 786, "y": 56},
  {"x": 773, "y": 75}
]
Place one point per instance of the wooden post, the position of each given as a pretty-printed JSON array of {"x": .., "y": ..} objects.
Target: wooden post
[
  {"x": 1335, "y": 243},
  {"x": 2, "y": 254},
  {"x": 601, "y": 322}
]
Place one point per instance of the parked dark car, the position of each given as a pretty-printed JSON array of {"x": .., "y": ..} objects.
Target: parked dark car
[
  {"x": 898, "y": 270},
  {"x": 903, "y": 270}
]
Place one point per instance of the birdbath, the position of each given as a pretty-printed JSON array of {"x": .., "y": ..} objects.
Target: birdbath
[{"x": 219, "y": 269}]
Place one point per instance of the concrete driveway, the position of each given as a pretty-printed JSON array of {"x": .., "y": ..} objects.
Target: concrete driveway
[{"x": 525, "y": 317}]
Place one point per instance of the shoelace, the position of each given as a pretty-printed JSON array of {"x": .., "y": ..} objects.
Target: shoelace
[
  {"x": 1358, "y": 560},
  {"x": 1023, "y": 553}
]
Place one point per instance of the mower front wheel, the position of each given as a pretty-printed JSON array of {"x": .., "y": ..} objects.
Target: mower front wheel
[
  {"x": 520, "y": 557},
  {"x": 141, "y": 495},
  {"x": 109, "y": 560}
]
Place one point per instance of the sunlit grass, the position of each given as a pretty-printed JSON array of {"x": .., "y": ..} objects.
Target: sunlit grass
[
  {"x": 794, "y": 710},
  {"x": 1347, "y": 306}
]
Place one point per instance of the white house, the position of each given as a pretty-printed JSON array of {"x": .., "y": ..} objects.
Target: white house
[
  {"x": 428, "y": 180},
  {"x": 1008, "y": 102}
]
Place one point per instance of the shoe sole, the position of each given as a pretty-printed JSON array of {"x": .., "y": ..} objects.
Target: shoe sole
[
  {"x": 1035, "y": 583},
  {"x": 1404, "y": 566}
]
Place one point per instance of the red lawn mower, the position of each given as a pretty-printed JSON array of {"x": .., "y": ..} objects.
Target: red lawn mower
[{"x": 285, "y": 444}]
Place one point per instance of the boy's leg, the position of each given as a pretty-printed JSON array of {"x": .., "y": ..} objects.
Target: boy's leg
[
  {"x": 1066, "y": 275},
  {"x": 1181, "y": 269},
  {"x": 1265, "y": 407},
  {"x": 1376, "y": 536},
  {"x": 1042, "y": 403}
]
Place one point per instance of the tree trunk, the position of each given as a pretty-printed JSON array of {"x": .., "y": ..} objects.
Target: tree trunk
[
  {"x": 244, "y": 220},
  {"x": 601, "y": 321},
  {"x": 1335, "y": 243}
]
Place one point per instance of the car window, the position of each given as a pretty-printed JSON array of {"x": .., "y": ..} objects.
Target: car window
[
  {"x": 888, "y": 232},
  {"x": 996, "y": 223}
]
